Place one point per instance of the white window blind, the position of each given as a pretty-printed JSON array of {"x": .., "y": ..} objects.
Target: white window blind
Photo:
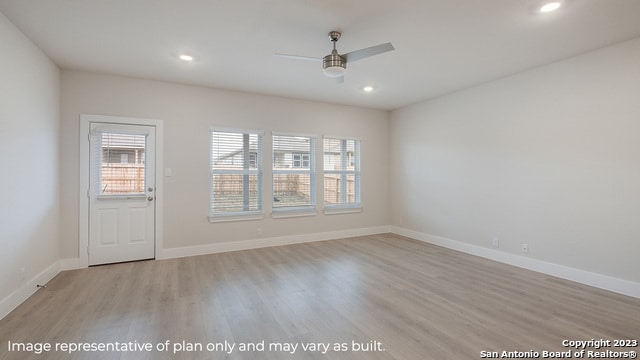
[
  {"x": 341, "y": 173},
  {"x": 236, "y": 173},
  {"x": 118, "y": 163},
  {"x": 294, "y": 171}
]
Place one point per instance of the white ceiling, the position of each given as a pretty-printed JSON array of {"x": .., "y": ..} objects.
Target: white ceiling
[{"x": 441, "y": 45}]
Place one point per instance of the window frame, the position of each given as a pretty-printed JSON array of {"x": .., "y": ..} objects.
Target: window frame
[
  {"x": 254, "y": 168},
  {"x": 345, "y": 207}
]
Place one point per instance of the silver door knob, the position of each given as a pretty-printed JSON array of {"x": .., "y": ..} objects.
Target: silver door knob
[{"x": 150, "y": 198}]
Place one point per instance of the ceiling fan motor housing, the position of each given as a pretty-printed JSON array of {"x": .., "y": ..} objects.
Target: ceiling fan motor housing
[{"x": 334, "y": 65}]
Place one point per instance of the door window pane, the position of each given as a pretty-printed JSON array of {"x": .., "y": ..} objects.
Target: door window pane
[{"x": 122, "y": 165}]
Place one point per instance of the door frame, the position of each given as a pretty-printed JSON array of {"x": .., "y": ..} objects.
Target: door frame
[{"x": 83, "y": 188}]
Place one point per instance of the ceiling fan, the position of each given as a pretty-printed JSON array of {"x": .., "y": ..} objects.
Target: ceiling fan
[{"x": 334, "y": 65}]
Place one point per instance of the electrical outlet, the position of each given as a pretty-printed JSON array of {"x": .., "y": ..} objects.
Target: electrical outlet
[
  {"x": 525, "y": 248},
  {"x": 401, "y": 221},
  {"x": 259, "y": 231},
  {"x": 495, "y": 242},
  {"x": 23, "y": 274}
]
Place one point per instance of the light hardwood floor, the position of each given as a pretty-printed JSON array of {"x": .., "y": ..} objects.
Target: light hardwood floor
[{"x": 420, "y": 301}]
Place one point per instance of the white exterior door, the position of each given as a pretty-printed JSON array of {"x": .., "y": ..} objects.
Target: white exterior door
[{"x": 122, "y": 193}]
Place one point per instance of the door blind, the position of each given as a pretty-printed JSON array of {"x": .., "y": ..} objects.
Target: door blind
[{"x": 118, "y": 163}]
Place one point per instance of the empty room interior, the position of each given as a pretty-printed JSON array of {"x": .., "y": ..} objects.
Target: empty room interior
[{"x": 319, "y": 179}]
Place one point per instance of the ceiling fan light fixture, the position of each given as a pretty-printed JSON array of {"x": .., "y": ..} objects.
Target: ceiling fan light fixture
[{"x": 334, "y": 71}]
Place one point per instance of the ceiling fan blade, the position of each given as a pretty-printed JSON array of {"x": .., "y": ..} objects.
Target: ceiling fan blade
[
  {"x": 298, "y": 57},
  {"x": 365, "y": 53},
  {"x": 339, "y": 79}
]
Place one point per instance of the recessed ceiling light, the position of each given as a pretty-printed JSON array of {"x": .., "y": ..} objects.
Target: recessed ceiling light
[
  {"x": 186, "y": 57},
  {"x": 552, "y": 6},
  {"x": 367, "y": 89}
]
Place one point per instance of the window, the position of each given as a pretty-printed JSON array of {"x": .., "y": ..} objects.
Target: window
[
  {"x": 301, "y": 160},
  {"x": 120, "y": 166},
  {"x": 341, "y": 174},
  {"x": 236, "y": 175},
  {"x": 294, "y": 173}
]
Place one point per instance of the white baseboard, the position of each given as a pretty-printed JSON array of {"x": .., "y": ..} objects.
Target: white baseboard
[
  {"x": 29, "y": 288},
  {"x": 267, "y": 242},
  {"x": 617, "y": 285},
  {"x": 70, "y": 264},
  {"x": 16, "y": 298}
]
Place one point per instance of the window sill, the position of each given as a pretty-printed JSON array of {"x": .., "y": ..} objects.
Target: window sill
[
  {"x": 240, "y": 217},
  {"x": 341, "y": 210},
  {"x": 291, "y": 213}
]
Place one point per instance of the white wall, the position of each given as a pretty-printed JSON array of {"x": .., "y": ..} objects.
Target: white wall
[
  {"x": 29, "y": 163},
  {"x": 548, "y": 157},
  {"x": 188, "y": 112}
]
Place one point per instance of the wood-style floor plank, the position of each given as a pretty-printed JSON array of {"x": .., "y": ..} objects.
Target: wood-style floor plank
[{"x": 418, "y": 300}]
